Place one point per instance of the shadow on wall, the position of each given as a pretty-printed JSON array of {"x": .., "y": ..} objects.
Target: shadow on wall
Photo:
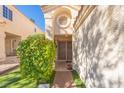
[
  {"x": 98, "y": 45},
  {"x": 49, "y": 32}
]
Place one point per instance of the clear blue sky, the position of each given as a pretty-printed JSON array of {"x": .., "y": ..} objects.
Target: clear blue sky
[{"x": 33, "y": 12}]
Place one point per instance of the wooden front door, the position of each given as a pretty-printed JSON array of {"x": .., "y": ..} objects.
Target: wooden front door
[{"x": 64, "y": 50}]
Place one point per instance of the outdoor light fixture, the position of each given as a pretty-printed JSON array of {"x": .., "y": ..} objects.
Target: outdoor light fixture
[{"x": 2, "y": 22}]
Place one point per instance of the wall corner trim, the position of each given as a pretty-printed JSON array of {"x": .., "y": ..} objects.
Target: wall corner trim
[{"x": 82, "y": 15}]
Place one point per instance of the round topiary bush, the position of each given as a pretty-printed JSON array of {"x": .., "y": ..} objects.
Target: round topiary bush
[{"x": 37, "y": 55}]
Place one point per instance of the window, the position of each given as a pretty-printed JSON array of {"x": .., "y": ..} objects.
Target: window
[
  {"x": 10, "y": 15},
  {"x": 35, "y": 30},
  {"x": 7, "y": 13},
  {"x": 63, "y": 21}
]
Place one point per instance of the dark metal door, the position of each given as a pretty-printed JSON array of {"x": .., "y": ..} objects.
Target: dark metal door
[
  {"x": 61, "y": 50},
  {"x": 69, "y": 50},
  {"x": 65, "y": 50}
]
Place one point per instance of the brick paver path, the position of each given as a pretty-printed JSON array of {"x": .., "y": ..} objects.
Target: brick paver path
[
  {"x": 9, "y": 64},
  {"x": 6, "y": 67},
  {"x": 63, "y": 77},
  {"x": 61, "y": 66}
]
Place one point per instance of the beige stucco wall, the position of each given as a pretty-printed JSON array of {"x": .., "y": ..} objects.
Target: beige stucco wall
[
  {"x": 2, "y": 46},
  {"x": 98, "y": 48},
  {"x": 20, "y": 27}
]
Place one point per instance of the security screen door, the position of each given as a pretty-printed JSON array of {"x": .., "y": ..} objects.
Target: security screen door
[
  {"x": 69, "y": 50},
  {"x": 64, "y": 50}
]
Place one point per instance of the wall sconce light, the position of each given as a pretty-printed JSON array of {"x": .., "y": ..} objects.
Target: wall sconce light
[{"x": 2, "y": 23}]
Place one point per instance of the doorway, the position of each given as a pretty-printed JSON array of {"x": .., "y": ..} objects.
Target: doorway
[
  {"x": 64, "y": 53},
  {"x": 64, "y": 50},
  {"x": 11, "y": 43}
]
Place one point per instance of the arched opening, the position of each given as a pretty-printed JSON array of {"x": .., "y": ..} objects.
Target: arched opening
[{"x": 61, "y": 24}]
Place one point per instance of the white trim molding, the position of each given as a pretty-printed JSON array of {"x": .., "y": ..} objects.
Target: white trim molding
[{"x": 82, "y": 15}]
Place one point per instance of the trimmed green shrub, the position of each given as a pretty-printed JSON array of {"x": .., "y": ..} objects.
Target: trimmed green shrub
[{"x": 37, "y": 55}]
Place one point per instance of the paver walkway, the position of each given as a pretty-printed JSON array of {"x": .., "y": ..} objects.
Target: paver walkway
[
  {"x": 9, "y": 64},
  {"x": 61, "y": 66},
  {"x": 63, "y": 77}
]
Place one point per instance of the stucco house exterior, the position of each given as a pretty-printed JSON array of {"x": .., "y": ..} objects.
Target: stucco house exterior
[
  {"x": 14, "y": 26},
  {"x": 92, "y": 38}
]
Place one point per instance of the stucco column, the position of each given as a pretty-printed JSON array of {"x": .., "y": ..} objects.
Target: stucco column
[{"x": 2, "y": 47}]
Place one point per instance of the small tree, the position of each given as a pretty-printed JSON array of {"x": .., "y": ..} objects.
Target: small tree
[{"x": 37, "y": 56}]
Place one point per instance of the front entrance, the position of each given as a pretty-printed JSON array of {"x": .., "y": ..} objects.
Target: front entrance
[
  {"x": 11, "y": 43},
  {"x": 64, "y": 50},
  {"x": 64, "y": 53}
]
